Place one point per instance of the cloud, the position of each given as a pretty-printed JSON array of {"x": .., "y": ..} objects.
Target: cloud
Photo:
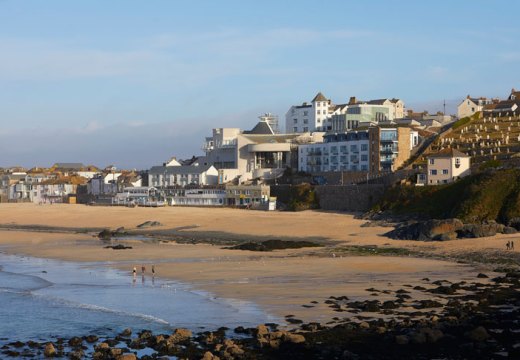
[
  {"x": 41, "y": 60},
  {"x": 191, "y": 58}
]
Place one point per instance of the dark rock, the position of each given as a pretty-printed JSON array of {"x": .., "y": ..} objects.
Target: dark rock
[
  {"x": 49, "y": 350},
  {"x": 126, "y": 332},
  {"x": 480, "y": 230},
  {"x": 179, "y": 336},
  {"x": 105, "y": 234},
  {"x": 118, "y": 247},
  {"x": 75, "y": 342},
  {"x": 389, "y": 305},
  {"x": 478, "y": 334},
  {"x": 427, "y": 304},
  {"x": 91, "y": 339},
  {"x": 76, "y": 354},
  {"x": 148, "y": 224},
  {"x": 402, "y": 339},
  {"x": 509, "y": 230},
  {"x": 514, "y": 223},
  {"x": 427, "y": 230},
  {"x": 482, "y": 276}
]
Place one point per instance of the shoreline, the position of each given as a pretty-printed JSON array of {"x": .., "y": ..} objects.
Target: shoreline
[{"x": 304, "y": 286}]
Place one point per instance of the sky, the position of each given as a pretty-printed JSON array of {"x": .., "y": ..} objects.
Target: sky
[{"x": 133, "y": 83}]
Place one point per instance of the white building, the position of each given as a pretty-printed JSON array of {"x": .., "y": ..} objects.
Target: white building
[
  {"x": 322, "y": 115},
  {"x": 309, "y": 117},
  {"x": 445, "y": 167},
  {"x": 470, "y": 106},
  {"x": 256, "y": 154},
  {"x": 372, "y": 150},
  {"x": 199, "y": 197},
  {"x": 172, "y": 176}
]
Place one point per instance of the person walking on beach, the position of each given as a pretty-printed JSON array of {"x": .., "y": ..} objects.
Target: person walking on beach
[
  {"x": 508, "y": 246},
  {"x": 143, "y": 269},
  {"x": 134, "y": 272},
  {"x": 512, "y": 245},
  {"x": 153, "y": 270}
]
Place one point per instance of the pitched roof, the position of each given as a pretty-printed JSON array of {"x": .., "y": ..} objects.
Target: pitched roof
[
  {"x": 320, "y": 97},
  {"x": 173, "y": 170},
  {"x": 448, "y": 152},
  {"x": 377, "y": 101},
  {"x": 262, "y": 128}
]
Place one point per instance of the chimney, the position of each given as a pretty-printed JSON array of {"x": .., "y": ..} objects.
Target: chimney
[{"x": 352, "y": 100}]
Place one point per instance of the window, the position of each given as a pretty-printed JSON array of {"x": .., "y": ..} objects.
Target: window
[
  {"x": 364, "y": 157},
  {"x": 305, "y": 121},
  {"x": 319, "y": 112},
  {"x": 305, "y": 129},
  {"x": 433, "y": 172},
  {"x": 364, "y": 147},
  {"x": 305, "y": 113},
  {"x": 295, "y": 129},
  {"x": 444, "y": 171},
  {"x": 432, "y": 161},
  {"x": 295, "y": 121}
]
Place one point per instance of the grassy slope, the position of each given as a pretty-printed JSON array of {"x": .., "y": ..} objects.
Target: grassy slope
[{"x": 493, "y": 195}]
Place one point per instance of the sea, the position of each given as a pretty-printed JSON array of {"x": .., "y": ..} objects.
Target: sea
[{"x": 43, "y": 299}]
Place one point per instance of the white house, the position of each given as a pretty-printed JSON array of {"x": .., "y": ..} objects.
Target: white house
[
  {"x": 470, "y": 106},
  {"x": 170, "y": 176},
  {"x": 322, "y": 115},
  {"x": 445, "y": 167},
  {"x": 310, "y": 117}
]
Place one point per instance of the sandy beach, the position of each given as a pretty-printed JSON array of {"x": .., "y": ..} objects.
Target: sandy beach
[{"x": 282, "y": 282}]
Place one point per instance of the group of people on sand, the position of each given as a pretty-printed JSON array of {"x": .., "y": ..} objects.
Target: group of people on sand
[
  {"x": 510, "y": 245},
  {"x": 143, "y": 270}
]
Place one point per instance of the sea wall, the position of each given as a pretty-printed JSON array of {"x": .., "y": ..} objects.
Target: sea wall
[
  {"x": 349, "y": 197},
  {"x": 338, "y": 197}
]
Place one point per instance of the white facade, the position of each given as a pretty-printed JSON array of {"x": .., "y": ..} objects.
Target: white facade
[
  {"x": 470, "y": 106},
  {"x": 445, "y": 167},
  {"x": 309, "y": 117},
  {"x": 171, "y": 176},
  {"x": 246, "y": 155},
  {"x": 321, "y": 115},
  {"x": 351, "y": 154},
  {"x": 200, "y": 197}
]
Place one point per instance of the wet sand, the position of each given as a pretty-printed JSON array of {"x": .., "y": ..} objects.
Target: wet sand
[{"x": 281, "y": 281}]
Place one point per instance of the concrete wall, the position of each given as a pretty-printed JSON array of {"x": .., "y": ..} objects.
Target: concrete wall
[
  {"x": 354, "y": 198},
  {"x": 349, "y": 198}
]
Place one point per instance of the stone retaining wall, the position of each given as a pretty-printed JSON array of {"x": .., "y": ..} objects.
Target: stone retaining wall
[{"x": 349, "y": 197}]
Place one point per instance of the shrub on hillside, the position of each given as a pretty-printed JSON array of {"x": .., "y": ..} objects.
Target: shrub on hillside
[
  {"x": 302, "y": 197},
  {"x": 490, "y": 195}
]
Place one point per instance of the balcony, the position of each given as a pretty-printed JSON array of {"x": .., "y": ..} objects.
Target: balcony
[{"x": 388, "y": 149}]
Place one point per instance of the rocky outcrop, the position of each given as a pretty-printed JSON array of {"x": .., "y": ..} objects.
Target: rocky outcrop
[
  {"x": 480, "y": 230},
  {"x": 448, "y": 229},
  {"x": 440, "y": 230}
]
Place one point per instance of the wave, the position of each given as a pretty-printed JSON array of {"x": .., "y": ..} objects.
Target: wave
[
  {"x": 22, "y": 282},
  {"x": 92, "y": 307}
]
